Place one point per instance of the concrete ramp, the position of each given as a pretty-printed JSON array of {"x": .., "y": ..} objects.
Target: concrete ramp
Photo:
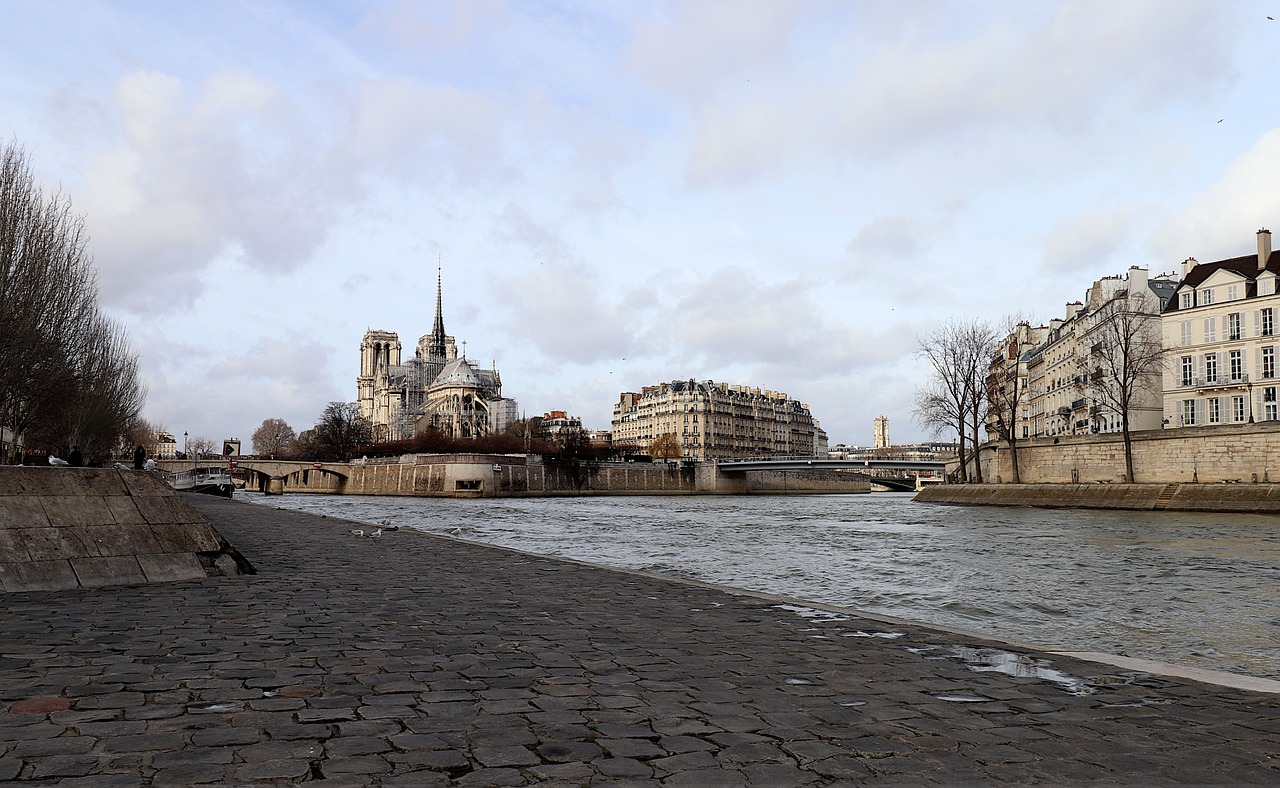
[{"x": 86, "y": 527}]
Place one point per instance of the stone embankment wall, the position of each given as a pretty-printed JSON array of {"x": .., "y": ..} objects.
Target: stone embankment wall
[
  {"x": 465, "y": 475},
  {"x": 1244, "y": 453},
  {"x": 72, "y": 527},
  {"x": 1192, "y": 497}
]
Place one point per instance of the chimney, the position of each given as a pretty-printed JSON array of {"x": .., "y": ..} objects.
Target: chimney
[
  {"x": 1074, "y": 308},
  {"x": 1188, "y": 264},
  {"x": 1264, "y": 249}
]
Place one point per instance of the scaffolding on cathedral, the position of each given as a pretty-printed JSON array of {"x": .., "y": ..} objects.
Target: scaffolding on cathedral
[{"x": 436, "y": 389}]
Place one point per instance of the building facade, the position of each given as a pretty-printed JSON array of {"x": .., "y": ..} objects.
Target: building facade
[
  {"x": 1060, "y": 366},
  {"x": 436, "y": 389},
  {"x": 1220, "y": 336},
  {"x": 716, "y": 421}
]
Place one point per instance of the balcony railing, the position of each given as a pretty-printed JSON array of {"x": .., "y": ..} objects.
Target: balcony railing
[{"x": 1218, "y": 381}]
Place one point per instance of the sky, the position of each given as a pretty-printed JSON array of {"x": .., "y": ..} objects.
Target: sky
[{"x": 786, "y": 195}]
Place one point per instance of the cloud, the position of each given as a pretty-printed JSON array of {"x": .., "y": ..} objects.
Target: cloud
[
  {"x": 1222, "y": 221},
  {"x": 778, "y": 329},
  {"x": 1091, "y": 241},
  {"x": 960, "y": 85},
  {"x": 697, "y": 49}
]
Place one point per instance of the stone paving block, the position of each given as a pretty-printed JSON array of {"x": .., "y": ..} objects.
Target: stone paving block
[
  {"x": 191, "y": 774},
  {"x": 63, "y": 745},
  {"x": 63, "y": 766},
  {"x": 177, "y": 537},
  {"x": 505, "y": 756},
  {"x": 494, "y": 777},
  {"x": 170, "y": 566},
  {"x": 77, "y": 510},
  {"x": 622, "y": 768},
  {"x": 118, "y": 570},
  {"x": 10, "y": 768},
  {"x": 356, "y": 764},
  {"x": 37, "y": 576},
  {"x": 144, "y": 742},
  {"x": 123, "y": 510},
  {"x": 274, "y": 770},
  {"x": 21, "y": 512}
]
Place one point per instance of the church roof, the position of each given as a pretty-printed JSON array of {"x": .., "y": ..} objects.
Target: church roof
[{"x": 457, "y": 373}]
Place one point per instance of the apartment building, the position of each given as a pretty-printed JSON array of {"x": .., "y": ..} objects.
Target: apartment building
[
  {"x": 1220, "y": 335},
  {"x": 717, "y": 420},
  {"x": 1062, "y": 398}
]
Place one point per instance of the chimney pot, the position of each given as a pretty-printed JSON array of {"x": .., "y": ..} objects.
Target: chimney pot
[{"x": 1264, "y": 249}]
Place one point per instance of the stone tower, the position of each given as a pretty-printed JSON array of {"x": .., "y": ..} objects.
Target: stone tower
[{"x": 881, "y": 432}]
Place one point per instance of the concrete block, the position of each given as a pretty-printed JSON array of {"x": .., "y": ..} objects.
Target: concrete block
[
  {"x": 122, "y": 539},
  {"x": 95, "y": 481},
  {"x": 171, "y": 566},
  {"x": 21, "y": 511},
  {"x": 141, "y": 483},
  {"x": 178, "y": 537},
  {"x": 41, "y": 544},
  {"x": 12, "y": 549},
  {"x": 110, "y": 571},
  {"x": 25, "y": 480},
  {"x": 124, "y": 510},
  {"x": 77, "y": 510},
  {"x": 166, "y": 509},
  {"x": 37, "y": 576}
]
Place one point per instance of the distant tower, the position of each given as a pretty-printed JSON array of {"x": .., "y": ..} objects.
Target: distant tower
[{"x": 881, "y": 432}]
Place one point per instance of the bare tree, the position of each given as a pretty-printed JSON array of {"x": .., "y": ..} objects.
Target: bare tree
[
  {"x": 1006, "y": 385},
  {"x": 1126, "y": 359},
  {"x": 274, "y": 438},
  {"x": 199, "y": 447},
  {"x": 666, "y": 447},
  {"x": 67, "y": 376},
  {"x": 340, "y": 431},
  {"x": 957, "y": 352}
]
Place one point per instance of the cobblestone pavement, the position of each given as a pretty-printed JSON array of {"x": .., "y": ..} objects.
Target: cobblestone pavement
[{"x": 417, "y": 660}]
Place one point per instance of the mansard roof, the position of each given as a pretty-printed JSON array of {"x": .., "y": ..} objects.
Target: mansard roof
[{"x": 1246, "y": 267}]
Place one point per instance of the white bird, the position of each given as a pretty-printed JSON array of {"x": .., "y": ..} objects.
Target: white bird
[
  {"x": 357, "y": 532},
  {"x": 57, "y": 461},
  {"x": 376, "y": 533}
]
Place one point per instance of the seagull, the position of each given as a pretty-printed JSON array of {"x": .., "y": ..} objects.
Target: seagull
[
  {"x": 57, "y": 461},
  {"x": 376, "y": 533},
  {"x": 357, "y": 532}
]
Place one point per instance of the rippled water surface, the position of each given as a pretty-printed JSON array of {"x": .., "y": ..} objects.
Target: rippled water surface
[{"x": 1195, "y": 589}]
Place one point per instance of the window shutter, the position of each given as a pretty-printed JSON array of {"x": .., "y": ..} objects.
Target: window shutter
[{"x": 1257, "y": 323}]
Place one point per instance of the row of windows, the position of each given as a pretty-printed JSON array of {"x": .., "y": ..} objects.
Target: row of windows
[
  {"x": 1205, "y": 296},
  {"x": 1264, "y": 325},
  {"x": 1219, "y": 410}
]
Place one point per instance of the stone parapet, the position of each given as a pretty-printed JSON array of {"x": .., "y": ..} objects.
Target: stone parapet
[
  {"x": 1220, "y": 497},
  {"x": 86, "y": 527}
]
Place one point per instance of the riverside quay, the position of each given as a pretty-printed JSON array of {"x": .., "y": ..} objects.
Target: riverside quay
[{"x": 419, "y": 660}]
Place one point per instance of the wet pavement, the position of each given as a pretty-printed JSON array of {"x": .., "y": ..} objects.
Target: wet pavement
[{"x": 411, "y": 659}]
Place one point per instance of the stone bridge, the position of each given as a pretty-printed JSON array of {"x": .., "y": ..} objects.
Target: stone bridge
[{"x": 264, "y": 475}]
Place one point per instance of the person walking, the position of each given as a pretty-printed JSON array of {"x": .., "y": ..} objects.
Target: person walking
[{"x": 139, "y": 457}]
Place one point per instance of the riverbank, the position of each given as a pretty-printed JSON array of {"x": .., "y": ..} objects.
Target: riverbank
[
  {"x": 413, "y": 659},
  {"x": 1250, "y": 498}
]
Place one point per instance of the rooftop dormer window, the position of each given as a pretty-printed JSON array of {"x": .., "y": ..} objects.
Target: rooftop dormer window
[{"x": 1188, "y": 300}]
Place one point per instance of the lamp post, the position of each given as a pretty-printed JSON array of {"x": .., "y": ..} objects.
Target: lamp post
[{"x": 1249, "y": 389}]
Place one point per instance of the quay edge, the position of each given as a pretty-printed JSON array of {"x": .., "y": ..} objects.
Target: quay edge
[{"x": 1177, "y": 496}]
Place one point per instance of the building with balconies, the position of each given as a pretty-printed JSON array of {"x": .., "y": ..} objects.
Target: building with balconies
[
  {"x": 1220, "y": 332},
  {"x": 717, "y": 420}
]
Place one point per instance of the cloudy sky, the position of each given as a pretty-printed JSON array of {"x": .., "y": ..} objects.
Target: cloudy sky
[{"x": 781, "y": 194}]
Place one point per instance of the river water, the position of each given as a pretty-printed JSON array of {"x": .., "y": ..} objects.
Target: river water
[{"x": 1193, "y": 589}]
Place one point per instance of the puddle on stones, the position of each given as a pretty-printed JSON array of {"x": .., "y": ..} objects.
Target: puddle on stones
[{"x": 991, "y": 660}]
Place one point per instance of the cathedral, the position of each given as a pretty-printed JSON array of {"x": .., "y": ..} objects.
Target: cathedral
[{"x": 435, "y": 389}]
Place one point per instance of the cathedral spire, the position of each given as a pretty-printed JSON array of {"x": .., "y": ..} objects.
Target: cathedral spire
[{"x": 437, "y": 331}]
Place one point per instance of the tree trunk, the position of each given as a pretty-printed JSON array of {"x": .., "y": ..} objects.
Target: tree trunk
[
  {"x": 1128, "y": 451},
  {"x": 1013, "y": 459}
]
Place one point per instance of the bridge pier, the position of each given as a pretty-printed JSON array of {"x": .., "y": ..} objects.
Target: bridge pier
[{"x": 275, "y": 486}]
